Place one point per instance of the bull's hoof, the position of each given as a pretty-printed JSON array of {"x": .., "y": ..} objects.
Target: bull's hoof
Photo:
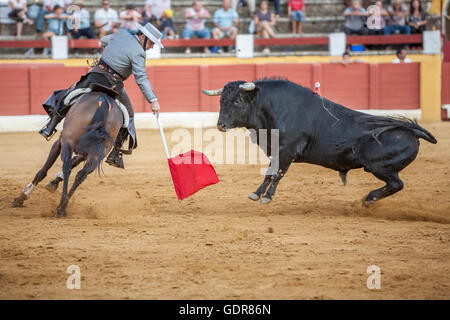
[
  {"x": 253, "y": 196},
  {"x": 265, "y": 200},
  {"x": 51, "y": 187}
]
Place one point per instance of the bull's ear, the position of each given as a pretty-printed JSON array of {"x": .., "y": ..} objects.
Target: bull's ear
[{"x": 248, "y": 86}]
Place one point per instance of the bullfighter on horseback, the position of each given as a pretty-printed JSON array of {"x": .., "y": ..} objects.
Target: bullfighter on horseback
[{"x": 124, "y": 54}]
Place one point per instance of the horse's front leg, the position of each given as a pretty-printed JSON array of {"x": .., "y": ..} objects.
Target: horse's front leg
[
  {"x": 53, "y": 155},
  {"x": 66, "y": 156}
]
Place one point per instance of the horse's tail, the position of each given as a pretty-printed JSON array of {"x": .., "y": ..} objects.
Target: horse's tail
[{"x": 93, "y": 141}]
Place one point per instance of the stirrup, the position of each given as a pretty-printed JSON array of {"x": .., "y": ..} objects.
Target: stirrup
[
  {"x": 127, "y": 152},
  {"x": 47, "y": 137}
]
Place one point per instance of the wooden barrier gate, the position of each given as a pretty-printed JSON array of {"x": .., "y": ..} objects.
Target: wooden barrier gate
[{"x": 24, "y": 87}]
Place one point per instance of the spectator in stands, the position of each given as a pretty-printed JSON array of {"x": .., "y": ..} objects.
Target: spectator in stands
[
  {"x": 79, "y": 23},
  {"x": 166, "y": 25},
  {"x": 377, "y": 20},
  {"x": 18, "y": 13},
  {"x": 106, "y": 19},
  {"x": 56, "y": 21},
  {"x": 401, "y": 57},
  {"x": 265, "y": 22},
  {"x": 297, "y": 13},
  {"x": 225, "y": 22},
  {"x": 397, "y": 19},
  {"x": 354, "y": 19},
  {"x": 195, "y": 24},
  {"x": 47, "y": 8},
  {"x": 276, "y": 4},
  {"x": 347, "y": 59},
  {"x": 417, "y": 20},
  {"x": 348, "y": 3},
  {"x": 129, "y": 17},
  {"x": 154, "y": 9},
  {"x": 250, "y": 3}
]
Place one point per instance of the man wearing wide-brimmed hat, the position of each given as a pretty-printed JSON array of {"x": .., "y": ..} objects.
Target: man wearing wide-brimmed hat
[{"x": 124, "y": 54}]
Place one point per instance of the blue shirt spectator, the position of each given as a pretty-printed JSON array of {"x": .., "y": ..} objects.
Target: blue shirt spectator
[
  {"x": 56, "y": 21},
  {"x": 225, "y": 18}
]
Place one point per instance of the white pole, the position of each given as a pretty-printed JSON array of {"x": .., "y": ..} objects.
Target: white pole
[{"x": 163, "y": 137}]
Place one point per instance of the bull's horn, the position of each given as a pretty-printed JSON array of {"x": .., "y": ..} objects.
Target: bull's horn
[
  {"x": 217, "y": 92},
  {"x": 248, "y": 86}
]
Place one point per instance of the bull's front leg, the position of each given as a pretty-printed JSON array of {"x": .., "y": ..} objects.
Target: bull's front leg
[
  {"x": 262, "y": 188},
  {"x": 284, "y": 163}
]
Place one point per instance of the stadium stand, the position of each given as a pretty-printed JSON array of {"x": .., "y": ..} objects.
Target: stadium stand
[{"x": 323, "y": 17}]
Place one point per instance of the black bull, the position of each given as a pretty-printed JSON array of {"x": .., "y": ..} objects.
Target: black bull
[{"x": 320, "y": 132}]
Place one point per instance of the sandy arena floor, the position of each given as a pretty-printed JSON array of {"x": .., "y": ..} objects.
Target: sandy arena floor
[{"x": 132, "y": 239}]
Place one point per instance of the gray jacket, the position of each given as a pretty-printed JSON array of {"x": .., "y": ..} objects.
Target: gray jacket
[{"x": 125, "y": 55}]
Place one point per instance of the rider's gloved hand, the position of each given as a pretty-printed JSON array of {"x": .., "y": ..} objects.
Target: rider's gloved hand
[{"x": 155, "y": 107}]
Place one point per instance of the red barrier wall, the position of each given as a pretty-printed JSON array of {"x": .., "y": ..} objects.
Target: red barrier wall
[{"x": 23, "y": 88}]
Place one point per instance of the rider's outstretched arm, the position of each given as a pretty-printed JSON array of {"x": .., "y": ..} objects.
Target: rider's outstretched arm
[{"x": 140, "y": 75}]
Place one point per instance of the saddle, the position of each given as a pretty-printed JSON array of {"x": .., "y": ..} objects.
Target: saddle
[{"x": 76, "y": 95}]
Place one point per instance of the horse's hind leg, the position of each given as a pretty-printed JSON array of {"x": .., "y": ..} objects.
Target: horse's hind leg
[
  {"x": 53, "y": 185},
  {"x": 393, "y": 185},
  {"x": 53, "y": 155},
  {"x": 88, "y": 168},
  {"x": 66, "y": 156}
]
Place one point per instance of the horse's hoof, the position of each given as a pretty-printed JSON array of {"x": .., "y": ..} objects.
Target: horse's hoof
[
  {"x": 253, "y": 196},
  {"x": 60, "y": 213},
  {"x": 51, "y": 187},
  {"x": 17, "y": 203},
  {"x": 265, "y": 200},
  {"x": 366, "y": 203}
]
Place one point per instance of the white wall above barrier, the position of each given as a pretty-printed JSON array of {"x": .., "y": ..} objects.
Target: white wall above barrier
[
  {"x": 60, "y": 47},
  {"x": 431, "y": 42},
  {"x": 244, "y": 46},
  {"x": 336, "y": 43}
]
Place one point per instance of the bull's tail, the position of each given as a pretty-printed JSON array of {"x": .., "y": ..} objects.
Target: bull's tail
[
  {"x": 92, "y": 143},
  {"x": 384, "y": 124}
]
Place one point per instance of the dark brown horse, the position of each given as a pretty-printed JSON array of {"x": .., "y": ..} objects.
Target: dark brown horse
[{"x": 89, "y": 131}]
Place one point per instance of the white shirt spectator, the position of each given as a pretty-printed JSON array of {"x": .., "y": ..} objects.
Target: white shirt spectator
[
  {"x": 19, "y": 4},
  {"x": 110, "y": 16},
  {"x": 397, "y": 60},
  {"x": 129, "y": 24},
  {"x": 195, "y": 23},
  {"x": 157, "y": 7}
]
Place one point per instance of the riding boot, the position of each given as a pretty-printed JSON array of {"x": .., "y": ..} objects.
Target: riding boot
[
  {"x": 115, "y": 156},
  {"x": 50, "y": 129}
]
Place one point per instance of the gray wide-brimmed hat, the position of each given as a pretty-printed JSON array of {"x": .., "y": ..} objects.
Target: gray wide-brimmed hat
[{"x": 151, "y": 32}]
